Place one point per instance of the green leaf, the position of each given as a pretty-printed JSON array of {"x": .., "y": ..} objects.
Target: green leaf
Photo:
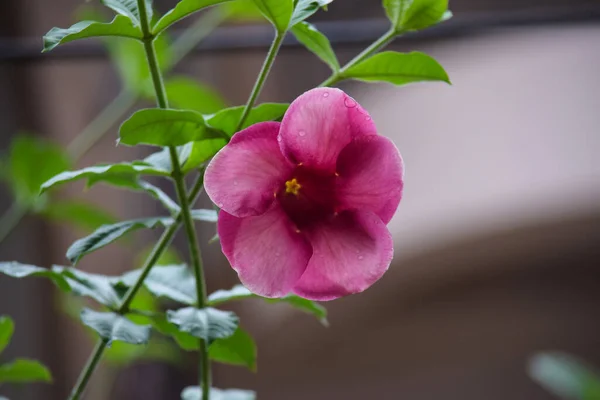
[
  {"x": 203, "y": 151},
  {"x": 129, "y": 8},
  {"x": 243, "y": 10},
  {"x": 183, "y": 9},
  {"x": 316, "y": 42},
  {"x": 113, "y": 327},
  {"x": 239, "y": 292},
  {"x": 161, "y": 196},
  {"x": 237, "y": 349},
  {"x": 397, "y": 68},
  {"x": 85, "y": 284},
  {"x": 7, "y": 327},
  {"x": 194, "y": 393},
  {"x": 165, "y": 127},
  {"x": 565, "y": 376},
  {"x": 78, "y": 213},
  {"x": 278, "y": 12},
  {"x": 123, "y": 174},
  {"x": 107, "y": 234},
  {"x": 189, "y": 94},
  {"x": 175, "y": 282},
  {"x": 410, "y": 15},
  {"x": 17, "y": 270},
  {"x": 206, "y": 323},
  {"x": 184, "y": 340},
  {"x": 226, "y": 120},
  {"x": 23, "y": 370},
  {"x": 204, "y": 215},
  {"x": 306, "y": 8},
  {"x": 120, "y": 26},
  {"x": 32, "y": 161}
]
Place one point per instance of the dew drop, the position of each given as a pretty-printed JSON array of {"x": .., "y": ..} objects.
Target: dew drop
[
  {"x": 277, "y": 254},
  {"x": 349, "y": 102},
  {"x": 360, "y": 257},
  {"x": 220, "y": 205},
  {"x": 278, "y": 138},
  {"x": 235, "y": 183},
  {"x": 302, "y": 133},
  {"x": 367, "y": 118},
  {"x": 326, "y": 94}
]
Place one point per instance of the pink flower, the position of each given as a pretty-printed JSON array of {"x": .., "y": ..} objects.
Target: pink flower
[{"x": 305, "y": 202}]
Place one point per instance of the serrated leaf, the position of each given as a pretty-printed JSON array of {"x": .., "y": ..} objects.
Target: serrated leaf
[
  {"x": 203, "y": 151},
  {"x": 239, "y": 292},
  {"x": 183, "y": 9},
  {"x": 237, "y": 349},
  {"x": 421, "y": 14},
  {"x": 17, "y": 270},
  {"x": 113, "y": 327},
  {"x": 107, "y": 234},
  {"x": 316, "y": 42},
  {"x": 85, "y": 284},
  {"x": 175, "y": 282},
  {"x": 306, "y": 8},
  {"x": 129, "y": 8},
  {"x": 227, "y": 119},
  {"x": 194, "y": 393},
  {"x": 32, "y": 161},
  {"x": 397, "y": 68},
  {"x": 123, "y": 174},
  {"x": 119, "y": 26},
  {"x": 277, "y": 12},
  {"x": 23, "y": 370},
  {"x": 165, "y": 127},
  {"x": 206, "y": 323},
  {"x": 189, "y": 94},
  {"x": 161, "y": 196},
  {"x": 78, "y": 213},
  {"x": 7, "y": 327}
]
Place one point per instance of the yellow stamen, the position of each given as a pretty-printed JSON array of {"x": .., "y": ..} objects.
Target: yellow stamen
[{"x": 292, "y": 186}]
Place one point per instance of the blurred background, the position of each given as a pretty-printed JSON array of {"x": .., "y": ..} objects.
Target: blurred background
[{"x": 497, "y": 236}]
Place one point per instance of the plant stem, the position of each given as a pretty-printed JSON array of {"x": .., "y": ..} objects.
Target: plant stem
[
  {"x": 10, "y": 219},
  {"x": 262, "y": 77},
  {"x": 157, "y": 251},
  {"x": 178, "y": 177},
  {"x": 379, "y": 44}
]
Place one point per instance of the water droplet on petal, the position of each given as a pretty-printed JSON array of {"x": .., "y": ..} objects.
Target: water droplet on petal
[
  {"x": 220, "y": 205},
  {"x": 279, "y": 138},
  {"x": 367, "y": 118},
  {"x": 235, "y": 183},
  {"x": 350, "y": 102},
  {"x": 360, "y": 257},
  {"x": 302, "y": 133},
  {"x": 326, "y": 94},
  {"x": 277, "y": 254}
]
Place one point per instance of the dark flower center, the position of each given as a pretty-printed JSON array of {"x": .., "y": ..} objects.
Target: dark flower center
[{"x": 308, "y": 197}]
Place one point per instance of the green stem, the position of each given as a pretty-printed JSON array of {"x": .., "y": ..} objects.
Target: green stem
[
  {"x": 379, "y": 44},
  {"x": 262, "y": 77},
  {"x": 10, "y": 219},
  {"x": 88, "y": 370}
]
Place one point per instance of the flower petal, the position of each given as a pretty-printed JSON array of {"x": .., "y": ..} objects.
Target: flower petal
[
  {"x": 319, "y": 124},
  {"x": 244, "y": 176},
  {"x": 370, "y": 177},
  {"x": 267, "y": 252},
  {"x": 350, "y": 252}
]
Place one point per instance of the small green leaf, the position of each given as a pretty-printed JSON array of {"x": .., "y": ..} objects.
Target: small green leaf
[
  {"x": 206, "y": 323},
  {"x": 306, "y": 8},
  {"x": 175, "y": 282},
  {"x": 184, "y": 340},
  {"x": 161, "y": 196},
  {"x": 7, "y": 327},
  {"x": 395, "y": 10},
  {"x": 278, "y": 12},
  {"x": 24, "y": 370},
  {"x": 113, "y": 327},
  {"x": 107, "y": 234},
  {"x": 189, "y": 94},
  {"x": 78, "y": 213},
  {"x": 194, "y": 393},
  {"x": 120, "y": 26},
  {"x": 17, "y": 270},
  {"x": 183, "y": 9},
  {"x": 165, "y": 127},
  {"x": 397, "y": 68},
  {"x": 85, "y": 284},
  {"x": 205, "y": 215},
  {"x": 32, "y": 161},
  {"x": 316, "y": 42},
  {"x": 237, "y": 349},
  {"x": 424, "y": 13},
  {"x": 226, "y": 120},
  {"x": 243, "y": 10},
  {"x": 129, "y": 8},
  {"x": 238, "y": 292},
  {"x": 203, "y": 151}
]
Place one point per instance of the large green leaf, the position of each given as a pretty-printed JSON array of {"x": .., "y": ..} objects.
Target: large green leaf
[
  {"x": 237, "y": 349},
  {"x": 316, "y": 42},
  {"x": 206, "y": 323},
  {"x": 165, "y": 127},
  {"x": 409, "y": 15},
  {"x": 7, "y": 327},
  {"x": 17, "y": 270},
  {"x": 79, "y": 213},
  {"x": 305, "y": 8},
  {"x": 226, "y": 120},
  {"x": 85, "y": 284},
  {"x": 32, "y": 161},
  {"x": 175, "y": 282},
  {"x": 397, "y": 68},
  {"x": 183, "y": 9},
  {"x": 565, "y": 376},
  {"x": 23, "y": 370},
  {"x": 239, "y": 292},
  {"x": 194, "y": 393},
  {"x": 129, "y": 8},
  {"x": 107, "y": 234},
  {"x": 123, "y": 174},
  {"x": 278, "y": 12},
  {"x": 112, "y": 327},
  {"x": 120, "y": 26},
  {"x": 189, "y": 94},
  {"x": 243, "y": 10}
]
